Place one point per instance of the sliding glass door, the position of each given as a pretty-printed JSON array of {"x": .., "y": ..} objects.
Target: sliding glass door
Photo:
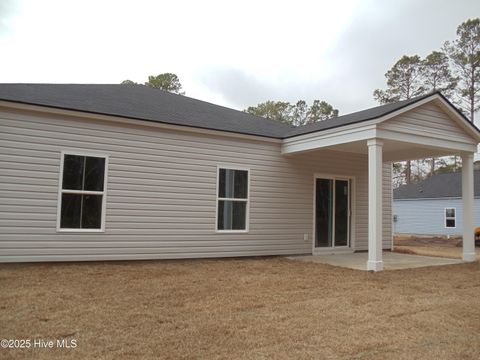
[{"x": 332, "y": 213}]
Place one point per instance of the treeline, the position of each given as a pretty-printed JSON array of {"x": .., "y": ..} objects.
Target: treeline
[
  {"x": 166, "y": 81},
  {"x": 296, "y": 114},
  {"x": 455, "y": 71}
]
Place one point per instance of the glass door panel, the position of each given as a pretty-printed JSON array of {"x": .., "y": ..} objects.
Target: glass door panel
[
  {"x": 323, "y": 213},
  {"x": 341, "y": 212}
]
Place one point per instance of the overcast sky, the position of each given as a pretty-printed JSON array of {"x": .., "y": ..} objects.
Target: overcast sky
[{"x": 231, "y": 53}]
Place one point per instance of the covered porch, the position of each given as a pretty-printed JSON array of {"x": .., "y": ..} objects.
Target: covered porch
[{"x": 430, "y": 127}]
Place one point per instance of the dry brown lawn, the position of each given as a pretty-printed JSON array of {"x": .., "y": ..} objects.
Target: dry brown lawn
[{"x": 259, "y": 308}]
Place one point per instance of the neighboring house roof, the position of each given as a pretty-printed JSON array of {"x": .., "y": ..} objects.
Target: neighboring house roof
[
  {"x": 145, "y": 103},
  {"x": 447, "y": 185}
]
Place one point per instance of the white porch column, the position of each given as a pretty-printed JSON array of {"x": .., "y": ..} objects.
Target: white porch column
[
  {"x": 375, "y": 172},
  {"x": 467, "y": 197}
]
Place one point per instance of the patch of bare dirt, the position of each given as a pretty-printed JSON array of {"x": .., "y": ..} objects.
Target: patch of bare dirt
[
  {"x": 430, "y": 246},
  {"x": 404, "y": 240}
]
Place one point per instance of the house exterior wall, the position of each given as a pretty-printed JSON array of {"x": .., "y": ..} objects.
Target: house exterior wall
[
  {"x": 161, "y": 192},
  {"x": 427, "y": 216}
]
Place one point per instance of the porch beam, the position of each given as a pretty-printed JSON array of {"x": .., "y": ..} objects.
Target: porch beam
[
  {"x": 416, "y": 153},
  {"x": 426, "y": 141},
  {"x": 375, "y": 172},
  {"x": 467, "y": 197},
  {"x": 322, "y": 140}
]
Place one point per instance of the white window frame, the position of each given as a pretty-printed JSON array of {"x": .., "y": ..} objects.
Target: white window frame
[
  {"x": 247, "y": 200},
  {"x": 445, "y": 218},
  {"x": 81, "y": 192}
]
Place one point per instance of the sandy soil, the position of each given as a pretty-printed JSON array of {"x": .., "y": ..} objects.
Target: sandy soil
[{"x": 240, "y": 309}]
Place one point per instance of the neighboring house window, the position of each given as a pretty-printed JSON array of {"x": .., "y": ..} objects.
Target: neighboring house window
[
  {"x": 82, "y": 192},
  {"x": 450, "y": 218},
  {"x": 232, "y": 199}
]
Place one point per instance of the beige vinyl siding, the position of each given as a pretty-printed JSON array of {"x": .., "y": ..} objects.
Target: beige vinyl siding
[
  {"x": 387, "y": 206},
  {"x": 428, "y": 120},
  {"x": 161, "y": 199}
]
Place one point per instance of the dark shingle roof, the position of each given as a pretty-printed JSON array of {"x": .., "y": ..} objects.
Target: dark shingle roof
[
  {"x": 447, "y": 185},
  {"x": 144, "y": 103}
]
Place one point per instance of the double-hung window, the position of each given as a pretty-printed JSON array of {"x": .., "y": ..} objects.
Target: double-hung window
[
  {"x": 450, "y": 217},
  {"x": 82, "y": 192},
  {"x": 232, "y": 199}
]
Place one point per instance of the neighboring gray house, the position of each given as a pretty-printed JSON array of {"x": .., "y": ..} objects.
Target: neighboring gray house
[
  {"x": 433, "y": 206},
  {"x": 116, "y": 172}
]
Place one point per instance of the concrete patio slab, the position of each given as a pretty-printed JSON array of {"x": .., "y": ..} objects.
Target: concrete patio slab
[{"x": 391, "y": 261}]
